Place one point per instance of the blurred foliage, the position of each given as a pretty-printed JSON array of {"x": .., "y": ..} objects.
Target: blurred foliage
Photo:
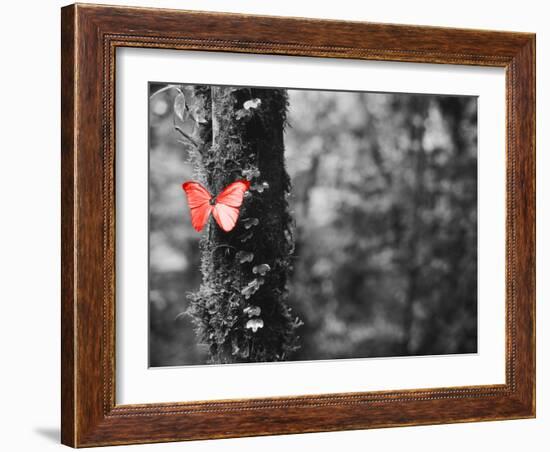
[
  {"x": 384, "y": 200},
  {"x": 174, "y": 260}
]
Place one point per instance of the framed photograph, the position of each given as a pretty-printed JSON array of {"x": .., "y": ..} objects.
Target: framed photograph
[{"x": 281, "y": 225}]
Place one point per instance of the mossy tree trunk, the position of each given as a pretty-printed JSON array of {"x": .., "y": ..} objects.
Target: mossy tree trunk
[{"x": 241, "y": 309}]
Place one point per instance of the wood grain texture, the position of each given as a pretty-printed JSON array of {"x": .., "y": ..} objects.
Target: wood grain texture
[
  {"x": 90, "y": 36},
  {"x": 67, "y": 226}
]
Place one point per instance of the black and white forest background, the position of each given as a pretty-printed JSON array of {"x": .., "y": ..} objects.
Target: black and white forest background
[{"x": 357, "y": 237}]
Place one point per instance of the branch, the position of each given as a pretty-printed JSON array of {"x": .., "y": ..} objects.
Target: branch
[{"x": 186, "y": 136}]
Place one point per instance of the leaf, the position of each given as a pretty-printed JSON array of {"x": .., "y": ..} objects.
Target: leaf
[
  {"x": 255, "y": 324},
  {"x": 249, "y": 290},
  {"x": 251, "y": 173},
  {"x": 260, "y": 187},
  {"x": 180, "y": 108},
  {"x": 166, "y": 88},
  {"x": 252, "y": 103},
  {"x": 242, "y": 113},
  {"x": 198, "y": 115},
  {"x": 261, "y": 269},
  {"x": 252, "y": 287},
  {"x": 212, "y": 307},
  {"x": 246, "y": 236},
  {"x": 244, "y": 256},
  {"x": 252, "y": 311},
  {"x": 235, "y": 346},
  {"x": 196, "y": 107},
  {"x": 249, "y": 222}
]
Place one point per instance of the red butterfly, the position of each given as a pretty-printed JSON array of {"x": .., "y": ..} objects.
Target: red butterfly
[{"x": 224, "y": 207}]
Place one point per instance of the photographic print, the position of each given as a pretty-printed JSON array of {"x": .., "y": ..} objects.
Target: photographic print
[
  {"x": 271, "y": 203},
  {"x": 293, "y": 224}
]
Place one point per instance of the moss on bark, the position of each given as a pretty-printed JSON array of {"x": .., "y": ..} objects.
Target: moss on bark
[{"x": 241, "y": 309}]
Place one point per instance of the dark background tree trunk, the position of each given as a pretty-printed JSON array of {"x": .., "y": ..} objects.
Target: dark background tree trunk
[{"x": 240, "y": 310}]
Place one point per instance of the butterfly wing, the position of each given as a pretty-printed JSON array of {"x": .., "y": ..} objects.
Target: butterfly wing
[
  {"x": 233, "y": 194},
  {"x": 228, "y": 203},
  {"x": 226, "y": 216},
  {"x": 198, "y": 199}
]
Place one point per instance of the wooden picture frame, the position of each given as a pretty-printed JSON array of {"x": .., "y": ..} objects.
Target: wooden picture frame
[{"x": 90, "y": 36}]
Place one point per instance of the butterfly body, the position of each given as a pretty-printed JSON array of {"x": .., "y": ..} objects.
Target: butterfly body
[{"x": 224, "y": 207}]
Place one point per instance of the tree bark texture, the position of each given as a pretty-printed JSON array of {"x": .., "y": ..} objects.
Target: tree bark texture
[{"x": 240, "y": 310}]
